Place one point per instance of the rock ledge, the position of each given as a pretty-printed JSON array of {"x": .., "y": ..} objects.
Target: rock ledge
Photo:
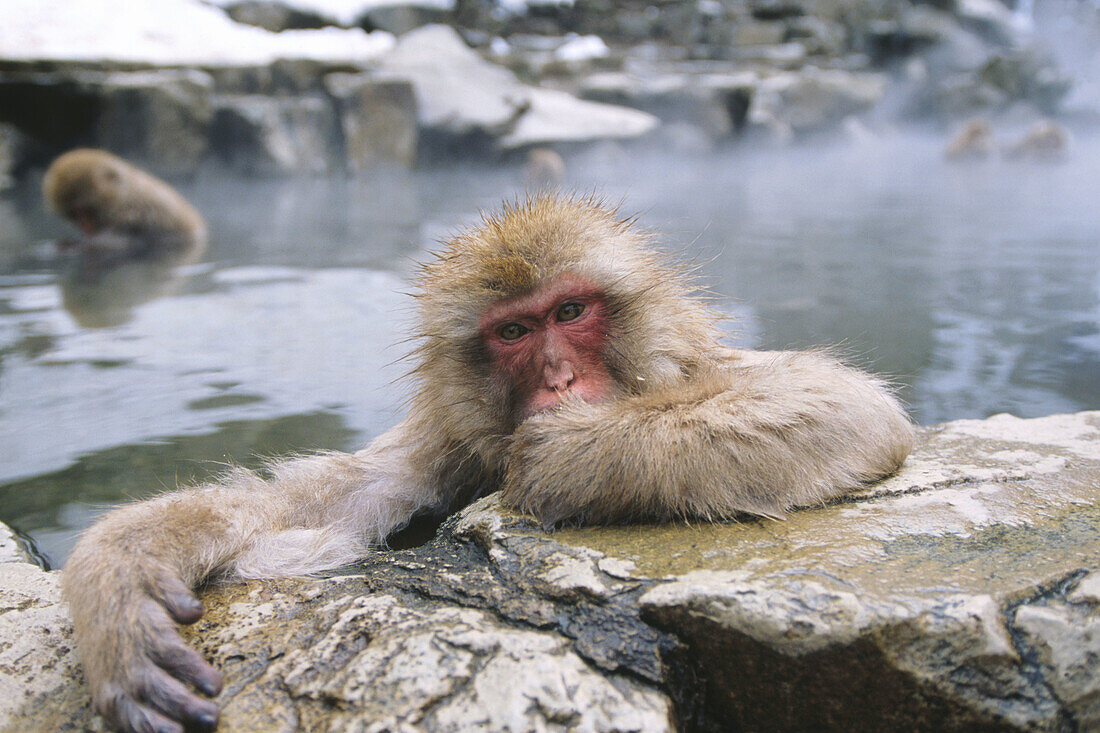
[{"x": 964, "y": 593}]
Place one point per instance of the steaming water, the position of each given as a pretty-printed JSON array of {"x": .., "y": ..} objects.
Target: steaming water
[{"x": 976, "y": 287}]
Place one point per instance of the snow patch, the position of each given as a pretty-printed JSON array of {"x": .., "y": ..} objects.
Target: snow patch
[{"x": 166, "y": 32}]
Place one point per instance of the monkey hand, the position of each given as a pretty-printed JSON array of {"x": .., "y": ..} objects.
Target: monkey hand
[
  {"x": 136, "y": 664},
  {"x": 561, "y": 462}
]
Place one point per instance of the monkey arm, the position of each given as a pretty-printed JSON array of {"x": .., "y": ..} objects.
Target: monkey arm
[
  {"x": 129, "y": 578},
  {"x": 771, "y": 431}
]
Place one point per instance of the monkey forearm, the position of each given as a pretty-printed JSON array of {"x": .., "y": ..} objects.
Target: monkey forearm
[
  {"x": 781, "y": 429},
  {"x": 130, "y": 576},
  {"x": 313, "y": 513}
]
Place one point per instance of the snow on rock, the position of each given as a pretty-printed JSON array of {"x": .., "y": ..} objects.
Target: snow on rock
[
  {"x": 581, "y": 48},
  {"x": 348, "y": 12},
  {"x": 458, "y": 92},
  {"x": 166, "y": 32}
]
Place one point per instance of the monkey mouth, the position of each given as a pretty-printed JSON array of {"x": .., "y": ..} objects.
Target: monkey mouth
[
  {"x": 542, "y": 402},
  {"x": 548, "y": 400}
]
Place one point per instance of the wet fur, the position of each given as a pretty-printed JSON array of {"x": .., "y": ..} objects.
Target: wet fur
[
  {"x": 133, "y": 212},
  {"x": 695, "y": 430}
]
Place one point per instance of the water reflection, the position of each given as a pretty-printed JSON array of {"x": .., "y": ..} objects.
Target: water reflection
[
  {"x": 99, "y": 292},
  {"x": 237, "y": 343},
  {"x": 976, "y": 286},
  {"x": 52, "y": 507}
]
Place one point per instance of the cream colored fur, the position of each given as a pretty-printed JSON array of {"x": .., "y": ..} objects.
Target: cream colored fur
[{"x": 693, "y": 430}]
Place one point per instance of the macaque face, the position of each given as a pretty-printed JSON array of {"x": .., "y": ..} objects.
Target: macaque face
[
  {"x": 550, "y": 343},
  {"x": 85, "y": 219}
]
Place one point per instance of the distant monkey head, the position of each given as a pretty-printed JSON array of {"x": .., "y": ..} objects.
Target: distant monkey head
[{"x": 83, "y": 186}]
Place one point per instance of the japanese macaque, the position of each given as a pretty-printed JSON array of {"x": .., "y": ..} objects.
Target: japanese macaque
[
  {"x": 136, "y": 230},
  {"x": 543, "y": 169},
  {"x": 973, "y": 142},
  {"x": 122, "y": 212},
  {"x": 561, "y": 360},
  {"x": 1044, "y": 142}
]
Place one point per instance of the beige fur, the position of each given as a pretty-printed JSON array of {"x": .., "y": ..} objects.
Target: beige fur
[
  {"x": 132, "y": 210},
  {"x": 696, "y": 430}
]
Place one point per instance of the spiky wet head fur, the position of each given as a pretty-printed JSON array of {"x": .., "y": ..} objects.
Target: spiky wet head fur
[{"x": 659, "y": 333}]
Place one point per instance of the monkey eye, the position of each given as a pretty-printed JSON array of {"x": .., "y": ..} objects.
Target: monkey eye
[
  {"x": 569, "y": 311},
  {"x": 511, "y": 331}
]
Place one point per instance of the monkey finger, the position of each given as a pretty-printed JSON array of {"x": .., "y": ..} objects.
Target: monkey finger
[
  {"x": 136, "y": 718},
  {"x": 169, "y": 696},
  {"x": 188, "y": 665},
  {"x": 549, "y": 520},
  {"x": 183, "y": 605}
]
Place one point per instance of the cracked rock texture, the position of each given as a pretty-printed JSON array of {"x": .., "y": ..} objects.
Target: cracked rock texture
[{"x": 962, "y": 594}]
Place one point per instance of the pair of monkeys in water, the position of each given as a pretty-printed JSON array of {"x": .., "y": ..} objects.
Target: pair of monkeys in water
[{"x": 561, "y": 360}]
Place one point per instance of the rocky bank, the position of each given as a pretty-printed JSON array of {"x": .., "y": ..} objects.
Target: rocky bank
[
  {"x": 962, "y": 594},
  {"x": 265, "y": 87}
]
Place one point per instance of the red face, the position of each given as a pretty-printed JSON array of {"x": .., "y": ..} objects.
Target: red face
[{"x": 550, "y": 343}]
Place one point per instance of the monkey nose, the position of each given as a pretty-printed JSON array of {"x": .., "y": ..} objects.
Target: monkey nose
[{"x": 559, "y": 376}]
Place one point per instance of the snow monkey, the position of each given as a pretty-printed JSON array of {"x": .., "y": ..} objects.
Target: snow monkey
[
  {"x": 561, "y": 360},
  {"x": 123, "y": 212}
]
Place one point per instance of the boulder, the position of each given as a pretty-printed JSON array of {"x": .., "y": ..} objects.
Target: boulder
[
  {"x": 819, "y": 36},
  {"x": 259, "y": 135},
  {"x": 36, "y": 657},
  {"x": 1027, "y": 75},
  {"x": 274, "y": 16},
  {"x": 991, "y": 19},
  {"x": 401, "y": 16},
  {"x": 714, "y": 103},
  {"x": 395, "y": 16},
  {"x": 160, "y": 117},
  {"x": 921, "y": 28},
  {"x": 457, "y": 92},
  {"x": 760, "y": 33},
  {"x": 466, "y": 104},
  {"x": 961, "y": 594},
  {"x": 814, "y": 100},
  {"x": 378, "y": 120},
  {"x": 558, "y": 117},
  {"x": 789, "y": 55},
  {"x": 1002, "y": 80}
]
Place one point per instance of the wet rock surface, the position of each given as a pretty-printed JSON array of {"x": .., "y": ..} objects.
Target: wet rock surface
[{"x": 961, "y": 594}]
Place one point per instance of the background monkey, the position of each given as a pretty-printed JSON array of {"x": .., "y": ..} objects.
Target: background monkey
[
  {"x": 974, "y": 141},
  {"x": 543, "y": 169},
  {"x": 122, "y": 210},
  {"x": 137, "y": 230},
  {"x": 559, "y": 358}
]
